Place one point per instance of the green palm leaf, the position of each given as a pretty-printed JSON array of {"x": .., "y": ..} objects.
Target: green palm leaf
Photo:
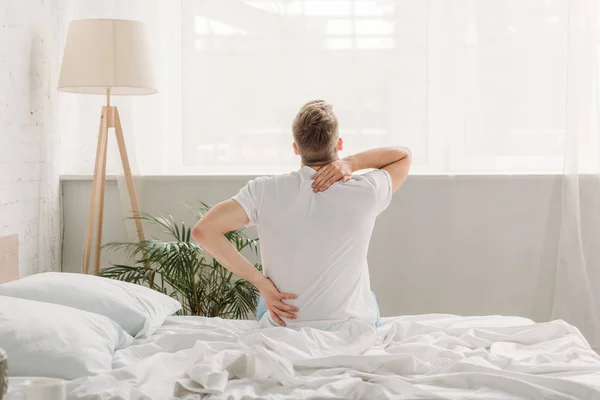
[{"x": 183, "y": 270}]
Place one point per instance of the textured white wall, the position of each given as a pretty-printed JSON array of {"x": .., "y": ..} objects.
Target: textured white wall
[{"x": 29, "y": 197}]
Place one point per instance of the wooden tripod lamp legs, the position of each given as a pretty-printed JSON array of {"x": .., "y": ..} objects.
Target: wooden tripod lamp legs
[
  {"x": 100, "y": 159},
  {"x": 108, "y": 119},
  {"x": 128, "y": 177}
]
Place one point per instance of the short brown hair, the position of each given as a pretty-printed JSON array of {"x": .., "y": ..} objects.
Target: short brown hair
[{"x": 315, "y": 130}]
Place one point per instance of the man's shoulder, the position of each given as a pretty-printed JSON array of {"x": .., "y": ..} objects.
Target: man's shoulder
[
  {"x": 368, "y": 180},
  {"x": 372, "y": 177},
  {"x": 285, "y": 177},
  {"x": 268, "y": 182}
]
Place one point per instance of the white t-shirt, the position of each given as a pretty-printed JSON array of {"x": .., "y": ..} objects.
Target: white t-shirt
[{"x": 314, "y": 245}]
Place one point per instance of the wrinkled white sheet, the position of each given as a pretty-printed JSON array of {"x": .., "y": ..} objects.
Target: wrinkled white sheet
[{"x": 411, "y": 357}]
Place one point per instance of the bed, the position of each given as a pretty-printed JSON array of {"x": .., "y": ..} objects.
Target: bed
[
  {"x": 407, "y": 357},
  {"x": 410, "y": 357}
]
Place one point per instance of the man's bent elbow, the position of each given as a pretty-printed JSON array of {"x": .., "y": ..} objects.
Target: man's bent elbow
[
  {"x": 407, "y": 154},
  {"x": 199, "y": 232}
]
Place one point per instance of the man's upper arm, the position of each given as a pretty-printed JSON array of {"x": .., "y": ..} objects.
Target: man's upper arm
[
  {"x": 226, "y": 216},
  {"x": 239, "y": 211},
  {"x": 249, "y": 199},
  {"x": 398, "y": 172},
  {"x": 380, "y": 184}
]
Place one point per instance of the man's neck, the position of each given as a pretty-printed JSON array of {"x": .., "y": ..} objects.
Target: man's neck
[{"x": 317, "y": 166}]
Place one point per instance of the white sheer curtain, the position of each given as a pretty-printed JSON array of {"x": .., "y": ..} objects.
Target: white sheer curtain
[
  {"x": 472, "y": 86},
  {"x": 577, "y": 266}
]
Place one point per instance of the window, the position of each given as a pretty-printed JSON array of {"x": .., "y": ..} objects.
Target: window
[
  {"x": 471, "y": 87},
  {"x": 248, "y": 67}
]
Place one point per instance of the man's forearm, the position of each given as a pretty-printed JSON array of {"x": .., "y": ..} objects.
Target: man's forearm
[
  {"x": 217, "y": 245},
  {"x": 377, "y": 158},
  {"x": 210, "y": 231}
]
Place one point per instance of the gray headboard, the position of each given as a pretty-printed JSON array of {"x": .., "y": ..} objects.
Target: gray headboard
[{"x": 9, "y": 258}]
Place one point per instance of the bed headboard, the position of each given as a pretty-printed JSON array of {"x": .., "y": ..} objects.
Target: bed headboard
[{"x": 9, "y": 258}]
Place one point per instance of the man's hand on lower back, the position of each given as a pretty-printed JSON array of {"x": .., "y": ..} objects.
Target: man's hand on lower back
[
  {"x": 274, "y": 301},
  {"x": 338, "y": 170}
]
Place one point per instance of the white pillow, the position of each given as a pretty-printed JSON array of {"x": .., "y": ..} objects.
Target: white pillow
[
  {"x": 137, "y": 309},
  {"x": 44, "y": 339}
]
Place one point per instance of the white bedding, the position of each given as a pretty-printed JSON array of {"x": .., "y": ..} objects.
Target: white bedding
[
  {"x": 428, "y": 356},
  {"x": 139, "y": 310}
]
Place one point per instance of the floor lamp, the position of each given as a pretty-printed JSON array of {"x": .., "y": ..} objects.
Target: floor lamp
[{"x": 106, "y": 57}]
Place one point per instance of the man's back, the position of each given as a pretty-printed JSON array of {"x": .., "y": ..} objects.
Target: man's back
[{"x": 315, "y": 244}]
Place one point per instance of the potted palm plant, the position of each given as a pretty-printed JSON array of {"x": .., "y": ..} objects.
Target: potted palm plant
[{"x": 183, "y": 270}]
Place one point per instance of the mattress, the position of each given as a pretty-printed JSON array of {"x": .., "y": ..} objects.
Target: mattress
[{"x": 409, "y": 357}]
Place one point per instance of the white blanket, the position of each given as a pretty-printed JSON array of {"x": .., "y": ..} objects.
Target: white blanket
[{"x": 412, "y": 357}]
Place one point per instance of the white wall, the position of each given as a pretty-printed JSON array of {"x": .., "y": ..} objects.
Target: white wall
[
  {"x": 29, "y": 203},
  {"x": 464, "y": 245}
]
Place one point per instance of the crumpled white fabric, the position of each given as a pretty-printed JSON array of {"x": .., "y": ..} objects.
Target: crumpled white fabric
[
  {"x": 403, "y": 359},
  {"x": 412, "y": 357}
]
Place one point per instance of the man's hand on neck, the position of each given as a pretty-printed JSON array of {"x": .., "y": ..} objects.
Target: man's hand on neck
[
  {"x": 396, "y": 160},
  {"x": 327, "y": 175}
]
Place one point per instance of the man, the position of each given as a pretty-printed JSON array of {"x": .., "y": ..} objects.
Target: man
[{"x": 314, "y": 226}]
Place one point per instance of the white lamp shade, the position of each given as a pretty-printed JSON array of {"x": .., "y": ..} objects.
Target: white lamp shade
[{"x": 105, "y": 54}]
